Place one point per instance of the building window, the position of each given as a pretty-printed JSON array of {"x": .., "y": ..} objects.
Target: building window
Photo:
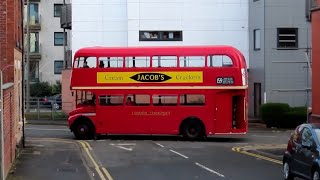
[
  {"x": 287, "y": 38},
  {"x": 256, "y": 39},
  {"x": 34, "y": 42},
  {"x": 34, "y": 71},
  {"x": 160, "y": 35},
  {"x": 58, "y": 38},
  {"x": 34, "y": 14},
  {"x": 58, "y": 65},
  {"x": 57, "y": 10}
]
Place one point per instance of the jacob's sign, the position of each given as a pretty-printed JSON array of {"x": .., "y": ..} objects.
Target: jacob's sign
[{"x": 150, "y": 77}]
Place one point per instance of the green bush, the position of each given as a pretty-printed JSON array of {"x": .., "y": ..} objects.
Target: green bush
[
  {"x": 271, "y": 113},
  {"x": 42, "y": 89},
  {"x": 281, "y": 115}
]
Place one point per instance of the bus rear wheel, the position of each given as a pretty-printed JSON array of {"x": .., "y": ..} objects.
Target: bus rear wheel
[
  {"x": 83, "y": 131},
  {"x": 192, "y": 129}
]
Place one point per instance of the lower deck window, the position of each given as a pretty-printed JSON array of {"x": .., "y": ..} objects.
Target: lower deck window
[
  {"x": 192, "y": 99},
  {"x": 110, "y": 100},
  {"x": 160, "y": 100}
]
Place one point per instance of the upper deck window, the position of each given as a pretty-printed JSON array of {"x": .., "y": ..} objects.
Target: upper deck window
[
  {"x": 164, "y": 61},
  {"x": 192, "y": 61},
  {"x": 219, "y": 61},
  {"x": 86, "y": 62},
  {"x": 137, "y": 61},
  {"x": 110, "y": 62}
]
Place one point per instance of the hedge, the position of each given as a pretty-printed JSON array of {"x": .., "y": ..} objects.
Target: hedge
[{"x": 281, "y": 115}]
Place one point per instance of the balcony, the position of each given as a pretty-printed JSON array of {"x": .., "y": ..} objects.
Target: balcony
[
  {"x": 32, "y": 1},
  {"x": 35, "y": 23},
  {"x": 35, "y": 52},
  {"x": 66, "y": 17}
]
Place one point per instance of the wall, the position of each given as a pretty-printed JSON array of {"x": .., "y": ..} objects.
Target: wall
[
  {"x": 257, "y": 68},
  {"x": 286, "y": 70},
  {"x": 117, "y": 22},
  {"x": 68, "y": 101},
  {"x": 49, "y": 52},
  {"x": 283, "y": 74},
  {"x": 10, "y": 64}
]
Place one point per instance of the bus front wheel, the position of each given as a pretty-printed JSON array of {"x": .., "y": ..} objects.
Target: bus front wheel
[
  {"x": 192, "y": 129},
  {"x": 83, "y": 130}
]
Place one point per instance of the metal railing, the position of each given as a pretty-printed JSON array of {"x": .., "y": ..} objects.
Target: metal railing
[{"x": 46, "y": 110}]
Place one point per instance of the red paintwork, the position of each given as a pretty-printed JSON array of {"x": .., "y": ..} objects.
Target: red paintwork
[
  {"x": 316, "y": 64},
  {"x": 216, "y": 114}
]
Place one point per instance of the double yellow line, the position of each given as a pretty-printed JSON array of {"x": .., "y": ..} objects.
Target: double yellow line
[
  {"x": 104, "y": 174},
  {"x": 239, "y": 150}
]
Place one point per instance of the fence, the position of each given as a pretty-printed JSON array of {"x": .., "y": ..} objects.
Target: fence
[{"x": 43, "y": 109}]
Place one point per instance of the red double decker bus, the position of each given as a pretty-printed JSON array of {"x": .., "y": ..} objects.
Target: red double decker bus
[{"x": 193, "y": 91}]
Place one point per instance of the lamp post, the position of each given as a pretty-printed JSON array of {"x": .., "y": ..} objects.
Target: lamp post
[{"x": 1, "y": 122}]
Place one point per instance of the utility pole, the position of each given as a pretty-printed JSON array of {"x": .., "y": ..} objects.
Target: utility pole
[
  {"x": 27, "y": 68},
  {"x": 64, "y": 41}
]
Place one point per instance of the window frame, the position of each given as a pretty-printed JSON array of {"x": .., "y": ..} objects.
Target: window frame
[
  {"x": 64, "y": 35},
  {"x": 54, "y": 67},
  {"x": 257, "y": 37},
  {"x": 279, "y": 47},
  {"x": 55, "y": 10},
  {"x": 160, "y": 35}
]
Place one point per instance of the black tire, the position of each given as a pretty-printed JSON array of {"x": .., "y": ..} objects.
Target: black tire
[
  {"x": 192, "y": 129},
  {"x": 83, "y": 130},
  {"x": 287, "y": 171}
]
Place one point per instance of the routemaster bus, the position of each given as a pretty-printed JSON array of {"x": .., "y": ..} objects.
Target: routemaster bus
[{"x": 192, "y": 91}]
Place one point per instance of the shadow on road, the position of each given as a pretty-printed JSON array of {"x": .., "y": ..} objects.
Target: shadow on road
[{"x": 172, "y": 138}]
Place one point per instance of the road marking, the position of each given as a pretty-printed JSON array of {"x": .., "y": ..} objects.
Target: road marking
[
  {"x": 208, "y": 169},
  {"x": 92, "y": 160},
  {"x": 263, "y": 136},
  {"x": 237, "y": 149},
  {"x": 120, "y": 145},
  {"x": 107, "y": 173},
  {"x": 41, "y": 129},
  {"x": 88, "y": 145},
  {"x": 179, "y": 154},
  {"x": 126, "y": 144},
  {"x": 159, "y": 144}
]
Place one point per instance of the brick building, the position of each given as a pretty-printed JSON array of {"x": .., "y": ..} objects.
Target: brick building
[
  {"x": 11, "y": 48},
  {"x": 315, "y": 19}
]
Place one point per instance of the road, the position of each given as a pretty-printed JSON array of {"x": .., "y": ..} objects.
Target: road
[{"x": 145, "y": 157}]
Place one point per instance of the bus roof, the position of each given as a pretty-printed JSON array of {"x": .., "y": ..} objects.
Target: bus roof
[{"x": 99, "y": 51}]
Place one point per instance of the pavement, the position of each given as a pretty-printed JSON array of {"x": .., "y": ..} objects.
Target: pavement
[{"x": 50, "y": 159}]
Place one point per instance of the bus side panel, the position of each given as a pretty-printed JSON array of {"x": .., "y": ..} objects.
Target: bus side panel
[
  {"x": 223, "y": 113},
  {"x": 119, "y": 120}
]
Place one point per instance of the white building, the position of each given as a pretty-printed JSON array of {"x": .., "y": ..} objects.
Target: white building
[
  {"x": 160, "y": 22},
  {"x": 46, "y": 40}
]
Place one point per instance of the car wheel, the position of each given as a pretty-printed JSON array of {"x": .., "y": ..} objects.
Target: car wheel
[
  {"x": 315, "y": 175},
  {"x": 56, "y": 106},
  {"x": 83, "y": 131},
  {"x": 287, "y": 171}
]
